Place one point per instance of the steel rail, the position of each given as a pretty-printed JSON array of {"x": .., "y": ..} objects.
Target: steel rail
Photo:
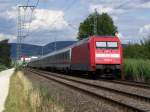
[
  {"x": 134, "y": 95},
  {"x": 64, "y": 81},
  {"x": 129, "y": 83}
]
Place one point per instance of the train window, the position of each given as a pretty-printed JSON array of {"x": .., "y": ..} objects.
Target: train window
[
  {"x": 112, "y": 44},
  {"x": 65, "y": 56},
  {"x": 107, "y": 45},
  {"x": 101, "y": 45},
  {"x": 68, "y": 55}
]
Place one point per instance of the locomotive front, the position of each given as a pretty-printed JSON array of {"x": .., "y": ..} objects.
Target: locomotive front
[{"x": 107, "y": 55}]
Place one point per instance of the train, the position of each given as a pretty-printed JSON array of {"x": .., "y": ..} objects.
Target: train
[{"x": 96, "y": 56}]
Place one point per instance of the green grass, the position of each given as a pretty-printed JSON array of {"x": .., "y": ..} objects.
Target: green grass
[
  {"x": 23, "y": 97},
  {"x": 137, "y": 69},
  {"x": 16, "y": 100}
]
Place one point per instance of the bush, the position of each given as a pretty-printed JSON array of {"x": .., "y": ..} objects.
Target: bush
[
  {"x": 137, "y": 69},
  {"x": 138, "y": 51},
  {"x": 5, "y": 53}
]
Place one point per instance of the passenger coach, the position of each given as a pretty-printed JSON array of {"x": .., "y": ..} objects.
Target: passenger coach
[{"x": 96, "y": 55}]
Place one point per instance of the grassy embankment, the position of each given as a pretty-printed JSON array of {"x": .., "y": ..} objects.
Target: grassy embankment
[
  {"x": 137, "y": 69},
  {"x": 23, "y": 97}
]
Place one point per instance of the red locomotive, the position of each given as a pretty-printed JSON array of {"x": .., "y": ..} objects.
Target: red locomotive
[{"x": 96, "y": 55}]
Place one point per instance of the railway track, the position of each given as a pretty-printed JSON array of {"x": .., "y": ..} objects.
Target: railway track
[
  {"x": 133, "y": 101},
  {"x": 136, "y": 84}
]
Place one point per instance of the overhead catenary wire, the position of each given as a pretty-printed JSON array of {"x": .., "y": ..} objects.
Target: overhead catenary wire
[
  {"x": 23, "y": 22},
  {"x": 28, "y": 2},
  {"x": 66, "y": 9},
  {"x": 27, "y": 27},
  {"x": 37, "y": 3},
  {"x": 30, "y": 21}
]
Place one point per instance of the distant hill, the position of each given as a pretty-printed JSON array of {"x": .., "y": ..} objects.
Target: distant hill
[{"x": 35, "y": 50}]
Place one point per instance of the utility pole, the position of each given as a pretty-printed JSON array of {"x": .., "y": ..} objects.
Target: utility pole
[
  {"x": 19, "y": 34},
  {"x": 21, "y": 27},
  {"x": 95, "y": 23}
]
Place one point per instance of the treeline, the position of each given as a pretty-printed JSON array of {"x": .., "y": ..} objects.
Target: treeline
[
  {"x": 138, "y": 51},
  {"x": 5, "y": 53}
]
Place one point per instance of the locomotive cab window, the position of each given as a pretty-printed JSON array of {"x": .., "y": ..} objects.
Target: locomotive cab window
[
  {"x": 112, "y": 44},
  {"x": 107, "y": 45},
  {"x": 101, "y": 45}
]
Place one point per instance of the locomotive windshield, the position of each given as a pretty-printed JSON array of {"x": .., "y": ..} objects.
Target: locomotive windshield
[
  {"x": 101, "y": 44},
  {"x": 112, "y": 44},
  {"x": 106, "y": 45}
]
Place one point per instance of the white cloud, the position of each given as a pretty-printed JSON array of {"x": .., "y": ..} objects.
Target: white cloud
[
  {"x": 2, "y": 38},
  {"x": 48, "y": 19},
  {"x": 101, "y": 8},
  {"x": 144, "y": 5},
  {"x": 9, "y": 13},
  {"x": 137, "y": 4},
  {"x": 145, "y": 30},
  {"x": 119, "y": 6},
  {"x": 115, "y": 18},
  {"x": 12, "y": 13},
  {"x": 6, "y": 36},
  {"x": 43, "y": 19}
]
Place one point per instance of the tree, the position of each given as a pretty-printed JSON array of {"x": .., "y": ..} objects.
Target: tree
[
  {"x": 5, "y": 53},
  {"x": 138, "y": 51},
  {"x": 103, "y": 23}
]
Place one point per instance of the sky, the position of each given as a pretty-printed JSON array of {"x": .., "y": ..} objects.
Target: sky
[{"x": 58, "y": 20}]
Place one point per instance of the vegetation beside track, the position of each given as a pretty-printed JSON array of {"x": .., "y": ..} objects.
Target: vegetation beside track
[
  {"x": 5, "y": 53},
  {"x": 24, "y": 97},
  {"x": 137, "y": 70},
  {"x": 2, "y": 67},
  {"x": 137, "y": 61},
  {"x": 138, "y": 50}
]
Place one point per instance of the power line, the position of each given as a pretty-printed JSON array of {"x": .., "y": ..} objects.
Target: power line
[
  {"x": 72, "y": 26},
  {"x": 37, "y": 3},
  {"x": 67, "y": 9},
  {"x": 27, "y": 2},
  {"x": 23, "y": 30},
  {"x": 30, "y": 20},
  {"x": 21, "y": 27}
]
